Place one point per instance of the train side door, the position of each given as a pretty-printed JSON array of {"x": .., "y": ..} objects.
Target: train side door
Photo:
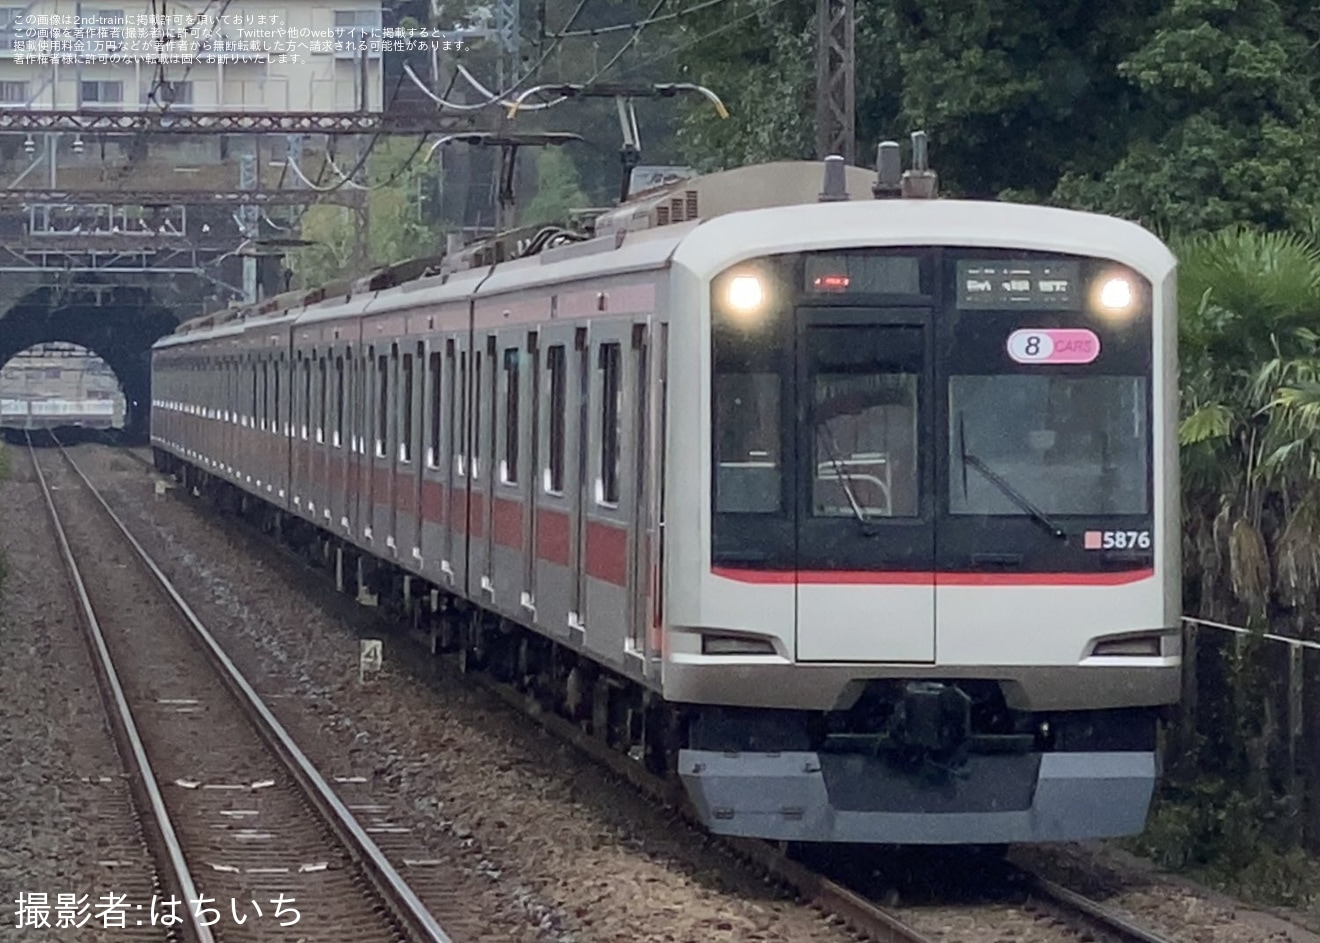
[
  {"x": 580, "y": 448},
  {"x": 509, "y": 532},
  {"x": 365, "y": 400},
  {"x": 650, "y": 346},
  {"x": 610, "y": 498},
  {"x": 412, "y": 453},
  {"x": 459, "y": 492},
  {"x": 865, "y": 513},
  {"x": 555, "y": 491},
  {"x": 529, "y": 443},
  {"x": 485, "y": 469},
  {"x": 341, "y": 438},
  {"x": 451, "y": 446},
  {"x": 385, "y": 454}
]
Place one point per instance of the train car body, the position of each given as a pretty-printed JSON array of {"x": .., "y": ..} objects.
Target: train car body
[
  {"x": 873, "y": 504},
  {"x": 58, "y": 413}
]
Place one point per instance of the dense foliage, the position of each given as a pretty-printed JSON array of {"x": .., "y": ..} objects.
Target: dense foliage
[{"x": 1186, "y": 114}]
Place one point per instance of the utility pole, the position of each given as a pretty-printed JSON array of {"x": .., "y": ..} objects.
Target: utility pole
[
  {"x": 508, "y": 14},
  {"x": 836, "y": 75},
  {"x": 251, "y": 221}
]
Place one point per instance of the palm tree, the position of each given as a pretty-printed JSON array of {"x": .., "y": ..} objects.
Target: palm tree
[
  {"x": 1250, "y": 440},
  {"x": 1250, "y": 432}
]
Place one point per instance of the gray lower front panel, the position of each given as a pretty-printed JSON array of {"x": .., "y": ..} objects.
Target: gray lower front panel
[{"x": 788, "y": 797}]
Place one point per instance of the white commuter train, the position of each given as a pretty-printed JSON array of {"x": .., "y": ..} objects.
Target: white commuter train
[{"x": 858, "y": 515}]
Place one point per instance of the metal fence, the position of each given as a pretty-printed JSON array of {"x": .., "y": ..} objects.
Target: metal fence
[{"x": 1250, "y": 699}]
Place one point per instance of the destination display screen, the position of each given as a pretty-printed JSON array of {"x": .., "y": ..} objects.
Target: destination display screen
[
  {"x": 858, "y": 273},
  {"x": 1034, "y": 285}
]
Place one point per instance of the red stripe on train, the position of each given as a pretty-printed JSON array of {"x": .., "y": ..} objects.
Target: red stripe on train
[
  {"x": 552, "y": 536},
  {"x": 607, "y": 553},
  {"x": 458, "y": 510},
  {"x": 507, "y": 523},
  {"x": 433, "y": 502},
  {"x": 865, "y": 578}
]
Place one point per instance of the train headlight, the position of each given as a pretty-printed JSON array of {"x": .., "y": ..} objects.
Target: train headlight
[
  {"x": 1116, "y": 294},
  {"x": 745, "y": 294}
]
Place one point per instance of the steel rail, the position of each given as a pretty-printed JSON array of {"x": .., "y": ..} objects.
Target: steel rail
[
  {"x": 404, "y": 904},
  {"x": 1090, "y": 912},
  {"x": 124, "y": 721},
  {"x": 831, "y": 898}
]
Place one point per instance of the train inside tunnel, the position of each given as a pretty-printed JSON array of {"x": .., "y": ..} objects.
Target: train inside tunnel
[{"x": 114, "y": 325}]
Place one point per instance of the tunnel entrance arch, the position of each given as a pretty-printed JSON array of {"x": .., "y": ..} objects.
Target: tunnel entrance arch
[
  {"x": 118, "y": 324},
  {"x": 60, "y": 385}
]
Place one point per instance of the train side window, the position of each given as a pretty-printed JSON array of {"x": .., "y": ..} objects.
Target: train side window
[
  {"x": 322, "y": 394},
  {"x": 363, "y": 416},
  {"x": 435, "y": 364},
  {"x": 557, "y": 362},
  {"x": 339, "y": 403},
  {"x": 276, "y": 419},
  {"x": 509, "y": 466},
  {"x": 406, "y": 402},
  {"x": 359, "y": 399},
  {"x": 382, "y": 403},
  {"x": 460, "y": 456},
  {"x": 307, "y": 397},
  {"x": 265, "y": 394},
  {"x": 476, "y": 415},
  {"x": 611, "y": 390},
  {"x": 252, "y": 413},
  {"x": 492, "y": 363}
]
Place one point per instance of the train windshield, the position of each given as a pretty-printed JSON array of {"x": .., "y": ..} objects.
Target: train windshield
[
  {"x": 879, "y": 417},
  {"x": 1066, "y": 445},
  {"x": 863, "y": 422}
]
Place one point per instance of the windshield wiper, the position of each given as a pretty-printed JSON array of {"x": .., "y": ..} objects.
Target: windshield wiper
[
  {"x": 1039, "y": 516},
  {"x": 823, "y": 433}
]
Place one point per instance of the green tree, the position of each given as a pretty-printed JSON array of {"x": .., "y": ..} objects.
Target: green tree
[
  {"x": 1251, "y": 429},
  {"x": 1012, "y": 95},
  {"x": 396, "y": 229},
  {"x": 1187, "y": 114},
  {"x": 558, "y": 188},
  {"x": 1229, "y": 128}
]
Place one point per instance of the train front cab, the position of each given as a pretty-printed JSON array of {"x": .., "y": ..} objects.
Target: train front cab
[{"x": 948, "y": 558}]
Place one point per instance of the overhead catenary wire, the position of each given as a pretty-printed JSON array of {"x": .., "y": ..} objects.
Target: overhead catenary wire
[
  {"x": 697, "y": 41},
  {"x": 628, "y": 44},
  {"x": 517, "y": 104},
  {"x": 639, "y": 24},
  {"x": 362, "y": 160},
  {"x": 346, "y": 179},
  {"x": 503, "y": 95}
]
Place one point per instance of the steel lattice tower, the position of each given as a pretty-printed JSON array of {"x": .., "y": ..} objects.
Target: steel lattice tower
[{"x": 836, "y": 95}]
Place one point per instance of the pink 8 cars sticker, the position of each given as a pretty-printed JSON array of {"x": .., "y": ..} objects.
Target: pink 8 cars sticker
[{"x": 1053, "y": 345}]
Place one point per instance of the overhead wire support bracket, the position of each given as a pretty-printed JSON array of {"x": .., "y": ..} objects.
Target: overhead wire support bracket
[
  {"x": 78, "y": 197},
  {"x": 508, "y": 145},
  {"x": 630, "y": 154},
  {"x": 405, "y": 123},
  {"x": 616, "y": 90}
]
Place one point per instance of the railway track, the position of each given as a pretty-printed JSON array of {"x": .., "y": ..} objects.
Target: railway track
[
  {"x": 250, "y": 841},
  {"x": 1027, "y": 907},
  {"x": 1033, "y": 909}
]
